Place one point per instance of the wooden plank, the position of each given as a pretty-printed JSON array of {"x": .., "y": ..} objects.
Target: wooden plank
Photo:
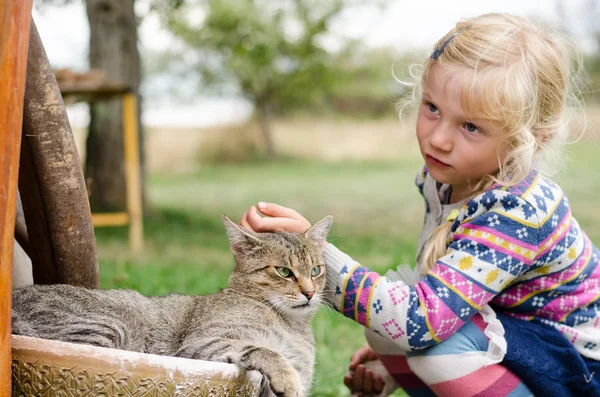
[
  {"x": 110, "y": 219},
  {"x": 132, "y": 172},
  {"x": 15, "y": 17},
  {"x": 105, "y": 90}
]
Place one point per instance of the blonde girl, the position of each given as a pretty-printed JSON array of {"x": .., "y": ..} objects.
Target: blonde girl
[{"x": 507, "y": 303}]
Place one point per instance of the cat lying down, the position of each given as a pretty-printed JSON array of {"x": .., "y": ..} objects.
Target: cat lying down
[{"x": 260, "y": 321}]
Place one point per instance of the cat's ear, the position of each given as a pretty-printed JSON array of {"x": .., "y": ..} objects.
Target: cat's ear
[
  {"x": 318, "y": 231},
  {"x": 240, "y": 240}
]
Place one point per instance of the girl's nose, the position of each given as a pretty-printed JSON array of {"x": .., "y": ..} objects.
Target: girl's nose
[{"x": 441, "y": 138}]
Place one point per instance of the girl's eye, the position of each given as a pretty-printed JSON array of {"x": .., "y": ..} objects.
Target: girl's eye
[
  {"x": 471, "y": 127},
  {"x": 284, "y": 272},
  {"x": 315, "y": 271},
  {"x": 432, "y": 108}
]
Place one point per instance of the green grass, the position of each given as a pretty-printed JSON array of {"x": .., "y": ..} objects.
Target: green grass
[{"x": 377, "y": 217}]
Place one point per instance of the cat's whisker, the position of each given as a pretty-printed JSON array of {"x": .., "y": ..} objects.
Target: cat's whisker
[{"x": 279, "y": 303}]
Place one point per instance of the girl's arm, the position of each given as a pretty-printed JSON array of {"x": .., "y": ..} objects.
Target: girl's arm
[{"x": 494, "y": 241}]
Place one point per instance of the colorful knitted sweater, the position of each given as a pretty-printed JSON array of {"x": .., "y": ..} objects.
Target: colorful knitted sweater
[{"x": 517, "y": 248}]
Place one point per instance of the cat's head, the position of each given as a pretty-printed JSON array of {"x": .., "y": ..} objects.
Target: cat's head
[{"x": 285, "y": 269}]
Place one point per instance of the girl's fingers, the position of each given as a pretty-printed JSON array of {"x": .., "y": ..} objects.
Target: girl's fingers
[
  {"x": 260, "y": 224},
  {"x": 277, "y": 224},
  {"x": 359, "y": 376},
  {"x": 349, "y": 380},
  {"x": 371, "y": 355},
  {"x": 254, "y": 220},
  {"x": 360, "y": 356},
  {"x": 367, "y": 385},
  {"x": 244, "y": 222},
  {"x": 354, "y": 361},
  {"x": 276, "y": 210},
  {"x": 378, "y": 384}
]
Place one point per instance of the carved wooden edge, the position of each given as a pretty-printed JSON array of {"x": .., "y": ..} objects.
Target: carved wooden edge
[{"x": 51, "y": 368}]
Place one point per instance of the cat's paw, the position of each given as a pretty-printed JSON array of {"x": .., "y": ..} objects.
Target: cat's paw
[{"x": 286, "y": 384}]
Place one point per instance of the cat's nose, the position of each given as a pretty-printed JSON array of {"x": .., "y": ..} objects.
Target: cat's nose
[{"x": 308, "y": 294}]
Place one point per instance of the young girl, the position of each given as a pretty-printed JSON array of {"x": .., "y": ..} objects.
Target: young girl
[{"x": 494, "y": 96}]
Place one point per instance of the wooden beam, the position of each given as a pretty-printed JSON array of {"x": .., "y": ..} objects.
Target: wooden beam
[
  {"x": 15, "y": 18},
  {"x": 110, "y": 219},
  {"x": 132, "y": 172}
]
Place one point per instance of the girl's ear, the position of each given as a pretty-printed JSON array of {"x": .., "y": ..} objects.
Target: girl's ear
[
  {"x": 318, "y": 232},
  {"x": 240, "y": 240}
]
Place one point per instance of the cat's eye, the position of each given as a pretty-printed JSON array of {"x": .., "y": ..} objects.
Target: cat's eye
[
  {"x": 284, "y": 272},
  {"x": 315, "y": 271}
]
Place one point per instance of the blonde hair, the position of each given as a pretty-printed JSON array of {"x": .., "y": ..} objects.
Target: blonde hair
[{"x": 523, "y": 77}]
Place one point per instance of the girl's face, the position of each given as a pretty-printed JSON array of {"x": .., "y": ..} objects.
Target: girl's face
[{"x": 458, "y": 150}]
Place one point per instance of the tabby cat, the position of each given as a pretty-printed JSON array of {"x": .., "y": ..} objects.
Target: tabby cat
[{"x": 260, "y": 321}]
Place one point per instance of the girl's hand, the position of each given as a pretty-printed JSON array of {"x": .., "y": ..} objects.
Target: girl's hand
[
  {"x": 279, "y": 219},
  {"x": 359, "y": 379}
]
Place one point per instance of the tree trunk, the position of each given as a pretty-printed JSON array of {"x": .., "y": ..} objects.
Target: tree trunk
[
  {"x": 265, "y": 128},
  {"x": 113, "y": 49}
]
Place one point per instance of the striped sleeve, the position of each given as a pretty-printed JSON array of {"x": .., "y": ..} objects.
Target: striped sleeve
[{"x": 495, "y": 242}]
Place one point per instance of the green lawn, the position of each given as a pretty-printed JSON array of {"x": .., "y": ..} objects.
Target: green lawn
[{"x": 377, "y": 216}]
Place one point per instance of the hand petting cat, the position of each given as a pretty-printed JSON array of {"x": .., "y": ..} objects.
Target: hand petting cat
[{"x": 279, "y": 219}]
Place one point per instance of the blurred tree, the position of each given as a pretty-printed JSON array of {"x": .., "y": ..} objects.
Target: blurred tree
[
  {"x": 364, "y": 85},
  {"x": 582, "y": 17},
  {"x": 272, "y": 50},
  {"x": 113, "y": 49},
  {"x": 590, "y": 13}
]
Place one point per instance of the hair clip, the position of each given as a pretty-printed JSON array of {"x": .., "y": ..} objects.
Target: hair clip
[{"x": 438, "y": 51}]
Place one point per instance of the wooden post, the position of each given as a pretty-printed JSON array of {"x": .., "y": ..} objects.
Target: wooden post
[
  {"x": 51, "y": 182},
  {"x": 132, "y": 171},
  {"x": 15, "y": 18}
]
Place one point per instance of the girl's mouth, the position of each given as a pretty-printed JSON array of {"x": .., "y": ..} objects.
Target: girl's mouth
[{"x": 435, "y": 162}]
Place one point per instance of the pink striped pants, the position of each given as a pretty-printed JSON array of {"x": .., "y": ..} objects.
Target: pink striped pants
[{"x": 454, "y": 368}]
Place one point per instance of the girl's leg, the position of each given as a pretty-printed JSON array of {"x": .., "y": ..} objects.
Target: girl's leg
[
  {"x": 404, "y": 377},
  {"x": 395, "y": 372},
  {"x": 458, "y": 366}
]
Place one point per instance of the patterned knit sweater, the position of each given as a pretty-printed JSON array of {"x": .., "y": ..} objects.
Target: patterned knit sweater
[{"x": 517, "y": 248}]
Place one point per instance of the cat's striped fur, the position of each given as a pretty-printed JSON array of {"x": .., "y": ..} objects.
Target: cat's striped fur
[{"x": 260, "y": 321}]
